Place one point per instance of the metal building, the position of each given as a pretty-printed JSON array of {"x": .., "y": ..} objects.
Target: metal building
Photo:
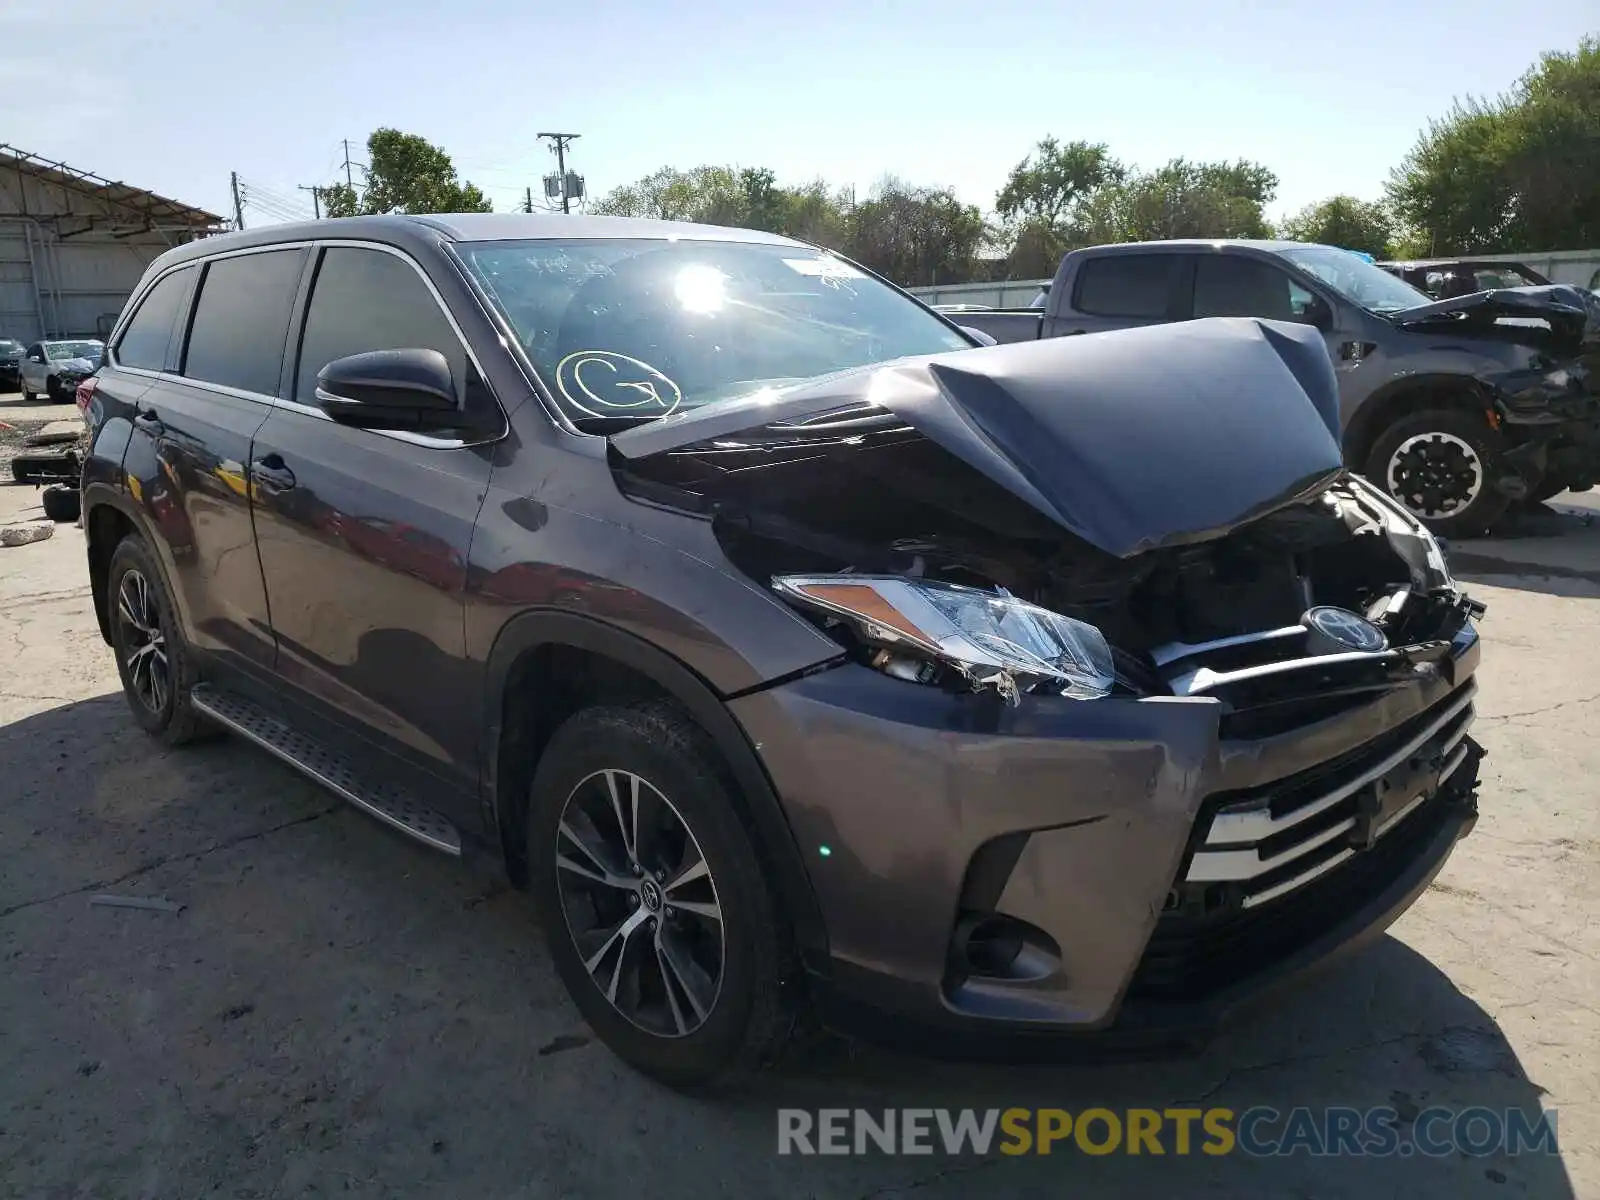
[{"x": 73, "y": 245}]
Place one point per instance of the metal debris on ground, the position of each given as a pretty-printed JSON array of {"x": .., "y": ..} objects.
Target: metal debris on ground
[{"x": 152, "y": 903}]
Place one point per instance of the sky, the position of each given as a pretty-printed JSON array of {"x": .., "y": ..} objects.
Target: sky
[{"x": 173, "y": 97}]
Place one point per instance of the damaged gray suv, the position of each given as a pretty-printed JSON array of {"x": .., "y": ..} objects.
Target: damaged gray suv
[{"x": 798, "y": 656}]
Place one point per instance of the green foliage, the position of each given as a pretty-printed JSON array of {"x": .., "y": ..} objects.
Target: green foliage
[
  {"x": 912, "y": 234},
  {"x": 1520, "y": 172},
  {"x": 1344, "y": 221},
  {"x": 405, "y": 174},
  {"x": 1185, "y": 200}
]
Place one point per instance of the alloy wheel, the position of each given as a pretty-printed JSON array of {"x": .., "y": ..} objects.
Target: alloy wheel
[
  {"x": 1435, "y": 475},
  {"x": 640, "y": 903},
  {"x": 144, "y": 646}
]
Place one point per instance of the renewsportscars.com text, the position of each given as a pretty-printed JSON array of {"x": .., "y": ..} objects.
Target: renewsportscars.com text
[{"x": 1259, "y": 1131}]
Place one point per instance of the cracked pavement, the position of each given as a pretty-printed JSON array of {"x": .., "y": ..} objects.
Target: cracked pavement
[{"x": 340, "y": 1011}]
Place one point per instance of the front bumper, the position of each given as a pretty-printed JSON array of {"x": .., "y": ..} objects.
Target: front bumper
[
  {"x": 1554, "y": 434},
  {"x": 1091, "y": 828}
]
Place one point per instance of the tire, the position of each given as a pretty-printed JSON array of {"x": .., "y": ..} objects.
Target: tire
[
  {"x": 52, "y": 389},
  {"x": 166, "y": 715},
  {"x": 21, "y": 387},
  {"x": 1427, "y": 460},
  {"x": 743, "y": 1019},
  {"x": 43, "y": 468},
  {"x": 61, "y": 503}
]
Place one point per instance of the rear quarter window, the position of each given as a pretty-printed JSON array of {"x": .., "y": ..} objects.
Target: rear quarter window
[
  {"x": 241, "y": 320},
  {"x": 1125, "y": 285},
  {"x": 144, "y": 342}
]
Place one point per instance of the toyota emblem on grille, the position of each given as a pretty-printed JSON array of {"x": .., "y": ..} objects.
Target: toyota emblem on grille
[{"x": 1345, "y": 628}]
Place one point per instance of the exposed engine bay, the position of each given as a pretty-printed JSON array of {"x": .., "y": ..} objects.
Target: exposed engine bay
[
  {"x": 1156, "y": 512},
  {"x": 856, "y": 493}
]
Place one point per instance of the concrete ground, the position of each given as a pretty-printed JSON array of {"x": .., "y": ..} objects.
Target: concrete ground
[{"x": 340, "y": 1011}]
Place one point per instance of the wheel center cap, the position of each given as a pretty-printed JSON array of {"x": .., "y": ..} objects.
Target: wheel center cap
[{"x": 650, "y": 894}]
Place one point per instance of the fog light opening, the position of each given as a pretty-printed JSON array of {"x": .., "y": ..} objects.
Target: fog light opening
[{"x": 995, "y": 946}]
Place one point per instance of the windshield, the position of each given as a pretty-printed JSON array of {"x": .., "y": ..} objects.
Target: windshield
[
  {"x": 7, "y": 346},
  {"x": 56, "y": 351},
  {"x": 630, "y": 330},
  {"x": 1356, "y": 279}
]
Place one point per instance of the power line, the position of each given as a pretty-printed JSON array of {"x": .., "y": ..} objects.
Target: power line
[{"x": 316, "y": 198}]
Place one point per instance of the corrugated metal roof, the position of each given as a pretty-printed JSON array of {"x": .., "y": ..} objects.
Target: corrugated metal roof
[{"x": 140, "y": 206}]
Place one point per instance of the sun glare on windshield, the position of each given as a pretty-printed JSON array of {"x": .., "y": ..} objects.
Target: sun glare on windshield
[{"x": 701, "y": 289}]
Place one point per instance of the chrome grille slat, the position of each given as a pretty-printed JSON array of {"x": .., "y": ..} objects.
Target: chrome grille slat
[
  {"x": 1232, "y": 850},
  {"x": 1258, "y": 823},
  {"x": 1218, "y": 866}
]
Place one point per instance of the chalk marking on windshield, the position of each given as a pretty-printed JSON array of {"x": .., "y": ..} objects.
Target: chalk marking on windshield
[{"x": 649, "y": 393}]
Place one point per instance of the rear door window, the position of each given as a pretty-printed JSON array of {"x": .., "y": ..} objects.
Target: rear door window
[
  {"x": 1126, "y": 285},
  {"x": 144, "y": 342},
  {"x": 371, "y": 300},
  {"x": 1231, "y": 285},
  {"x": 241, "y": 320}
]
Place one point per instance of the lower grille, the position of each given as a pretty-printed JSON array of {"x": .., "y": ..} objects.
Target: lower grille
[
  {"x": 1192, "y": 957},
  {"x": 1274, "y": 867},
  {"x": 1265, "y": 842}
]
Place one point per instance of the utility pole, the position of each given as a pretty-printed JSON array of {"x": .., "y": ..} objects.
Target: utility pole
[
  {"x": 316, "y": 198},
  {"x": 349, "y": 176},
  {"x": 238, "y": 205},
  {"x": 527, "y": 203},
  {"x": 559, "y": 148}
]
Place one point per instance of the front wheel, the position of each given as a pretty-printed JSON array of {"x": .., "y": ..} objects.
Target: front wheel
[
  {"x": 652, "y": 896},
  {"x": 52, "y": 389},
  {"x": 1442, "y": 465}
]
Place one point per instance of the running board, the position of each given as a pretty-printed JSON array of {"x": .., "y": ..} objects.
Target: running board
[{"x": 390, "y": 804}]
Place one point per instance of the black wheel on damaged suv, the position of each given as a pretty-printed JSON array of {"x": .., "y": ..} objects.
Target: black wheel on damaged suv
[
  {"x": 153, "y": 660},
  {"x": 652, "y": 899}
]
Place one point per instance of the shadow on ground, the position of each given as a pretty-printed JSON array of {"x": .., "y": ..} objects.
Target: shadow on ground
[{"x": 337, "y": 1010}]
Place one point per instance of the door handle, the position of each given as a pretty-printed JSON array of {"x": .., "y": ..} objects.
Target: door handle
[
  {"x": 148, "y": 418},
  {"x": 273, "y": 472}
]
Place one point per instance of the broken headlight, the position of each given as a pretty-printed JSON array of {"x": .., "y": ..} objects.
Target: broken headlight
[
  {"x": 991, "y": 639},
  {"x": 1411, "y": 539}
]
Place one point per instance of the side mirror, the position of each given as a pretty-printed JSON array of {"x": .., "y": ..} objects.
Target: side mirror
[
  {"x": 978, "y": 335},
  {"x": 390, "y": 389},
  {"x": 38, "y": 358}
]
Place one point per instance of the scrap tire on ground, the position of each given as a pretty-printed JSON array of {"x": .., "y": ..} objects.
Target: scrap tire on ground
[
  {"x": 739, "y": 1021},
  {"x": 61, "y": 502},
  {"x": 44, "y": 468},
  {"x": 1441, "y": 464}
]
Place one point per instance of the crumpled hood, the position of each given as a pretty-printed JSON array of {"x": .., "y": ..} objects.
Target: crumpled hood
[
  {"x": 1130, "y": 440},
  {"x": 1573, "y": 315},
  {"x": 75, "y": 366}
]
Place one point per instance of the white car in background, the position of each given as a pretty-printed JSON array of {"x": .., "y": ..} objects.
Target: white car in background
[{"x": 55, "y": 368}]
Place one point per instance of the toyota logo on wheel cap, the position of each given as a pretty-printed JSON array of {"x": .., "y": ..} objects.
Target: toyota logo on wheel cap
[{"x": 1345, "y": 628}]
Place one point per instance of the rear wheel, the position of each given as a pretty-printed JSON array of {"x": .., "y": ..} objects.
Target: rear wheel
[
  {"x": 156, "y": 666},
  {"x": 1442, "y": 465},
  {"x": 652, "y": 897}
]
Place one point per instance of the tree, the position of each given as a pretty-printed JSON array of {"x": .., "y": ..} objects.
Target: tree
[
  {"x": 1051, "y": 186},
  {"x": 405, "y": 174},
  {"x": 1045, "y": 201},
  {"x": 709, "y": 195},
  {"x": 1517, "y": 172},
  {"x": 1344, "y": 221},
  {"x": 1185, "y": 200},
  {"x": 915, "y": 235}
]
